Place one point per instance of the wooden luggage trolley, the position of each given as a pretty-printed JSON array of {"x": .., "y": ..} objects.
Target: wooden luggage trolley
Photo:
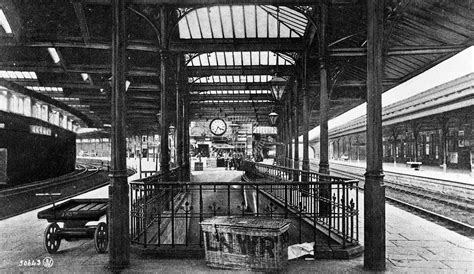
[{"x": 75, "y": 214}]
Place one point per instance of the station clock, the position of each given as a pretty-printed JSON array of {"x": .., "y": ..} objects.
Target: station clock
[{"x": 218, "y": 126}]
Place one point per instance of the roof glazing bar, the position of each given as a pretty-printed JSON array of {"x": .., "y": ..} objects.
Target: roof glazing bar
[{"x": 4, "y": 22}]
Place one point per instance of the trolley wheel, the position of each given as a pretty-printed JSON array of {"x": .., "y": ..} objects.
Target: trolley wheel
[
  {"x": 101, "y": 238},
  {"x": 52, "y": 239}
]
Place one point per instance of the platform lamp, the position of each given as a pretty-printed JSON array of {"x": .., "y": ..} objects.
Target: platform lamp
[
  {"x": 273, "y": 116},
  {"x": 277, "y": 85}
]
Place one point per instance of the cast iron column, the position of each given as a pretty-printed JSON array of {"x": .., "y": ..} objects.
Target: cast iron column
[
  {"x": 284, "y": 133},
  {"x": 186, "y": 137},
  {"x": 296, "y": 157},
  {"x": 279, "y": 140},
  {"x": 179, "y": 118},
  {"x": 324, "y": 190},
  {"x": 290, "y": 128},
  {"x": 305, "y": 118},
  {"x": 165, "y": 156},
  {"x": 140, "y": 157},
  {"x": 374, "y": 190},
  {"x": 324, "y": 95},
  {"x": 118, "y": 215}
]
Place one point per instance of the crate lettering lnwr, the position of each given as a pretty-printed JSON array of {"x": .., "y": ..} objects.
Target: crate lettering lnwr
[{"x": 246, "y": 243}]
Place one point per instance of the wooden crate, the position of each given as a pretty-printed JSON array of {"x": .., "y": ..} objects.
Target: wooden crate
[{"x": 246, "y": 243}]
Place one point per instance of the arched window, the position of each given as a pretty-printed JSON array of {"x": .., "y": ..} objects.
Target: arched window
[
  {"x": 14, "y": 104},
  {"x": 37, "y": 111},
  {"x": 20, "y": 109},
  {"x": 27, "y": 107},
  {"x": 44, "y": 113},
  {"x": 64, "y": 121}
]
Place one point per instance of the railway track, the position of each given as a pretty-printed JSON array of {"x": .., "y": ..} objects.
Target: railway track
[
  {"x": 453, "y": 212},
  {"x": 20, "y": 199},
  {"x": 82, "y": 171}
]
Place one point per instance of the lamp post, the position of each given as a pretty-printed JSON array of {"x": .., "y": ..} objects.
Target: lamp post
[{"x": 277, "y": 85}]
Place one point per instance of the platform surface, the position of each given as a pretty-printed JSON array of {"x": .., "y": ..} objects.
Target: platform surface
[
  {"x": 434, "y": 172},
  {"x": 413, "y": 245}
]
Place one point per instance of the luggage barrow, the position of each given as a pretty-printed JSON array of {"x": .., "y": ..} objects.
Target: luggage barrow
[{"x": 75, "y": 214}]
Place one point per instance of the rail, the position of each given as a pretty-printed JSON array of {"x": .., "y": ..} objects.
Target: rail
[{"x": 167, "y": 213}]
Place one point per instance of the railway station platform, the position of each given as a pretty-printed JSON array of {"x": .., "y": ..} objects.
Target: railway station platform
[
  {"x": 413, "y": 245},
  {"x": 433, "y": 172}
]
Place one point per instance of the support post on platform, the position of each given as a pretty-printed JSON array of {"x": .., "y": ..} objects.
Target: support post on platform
[
  {"x": 118, "y": 214},
  {"x": 285, "y": 141},
  {"x": 140, "y": 157},
  {"x": 374, "y": 190},
  {"x": 324, "y": 94},
  {"x": 324, "y": 190},
  {"x": 289, "y": 106},
  {"x": 165, "y": 156},
  {"x": 179, "y": 120},
  {"x": 306, "y": 111},
  {"x": 296, "y": 156}
]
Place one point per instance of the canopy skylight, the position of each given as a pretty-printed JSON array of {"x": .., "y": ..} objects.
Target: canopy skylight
[
  {"x": 242, "y": 21},
  {"x": 4, "y": 22},
  {"x": 240, "y": 58},
  {"x": 46, "y": 89},
  {"x": 231, "y": 92},
  {"x": 66, "y": 99},
  {"x": 231, "y": 79},
  {"x": 206, "y": 102},
  {"x": 13, "y": 74}
]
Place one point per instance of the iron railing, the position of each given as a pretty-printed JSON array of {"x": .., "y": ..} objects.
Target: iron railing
[
  {"x": 167, "y": 213},
  {"x": 335, "y": 202}
]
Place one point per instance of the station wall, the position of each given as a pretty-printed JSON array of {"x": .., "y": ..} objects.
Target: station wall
[{"x": 433, "y": 140}]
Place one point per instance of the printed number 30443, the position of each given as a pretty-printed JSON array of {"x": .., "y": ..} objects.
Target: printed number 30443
[{"x": 36, "y": 262}]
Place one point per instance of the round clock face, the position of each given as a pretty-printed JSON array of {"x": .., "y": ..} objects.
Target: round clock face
[{"x": 218, "y": 126}]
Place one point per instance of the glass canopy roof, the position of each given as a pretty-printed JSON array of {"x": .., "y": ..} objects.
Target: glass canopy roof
[
  {"x": 238, "y": 22},
  {"x": 246, "y": 21}
]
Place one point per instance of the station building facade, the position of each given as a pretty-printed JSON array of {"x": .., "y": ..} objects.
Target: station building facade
[{"x": 434, "y": 127}]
